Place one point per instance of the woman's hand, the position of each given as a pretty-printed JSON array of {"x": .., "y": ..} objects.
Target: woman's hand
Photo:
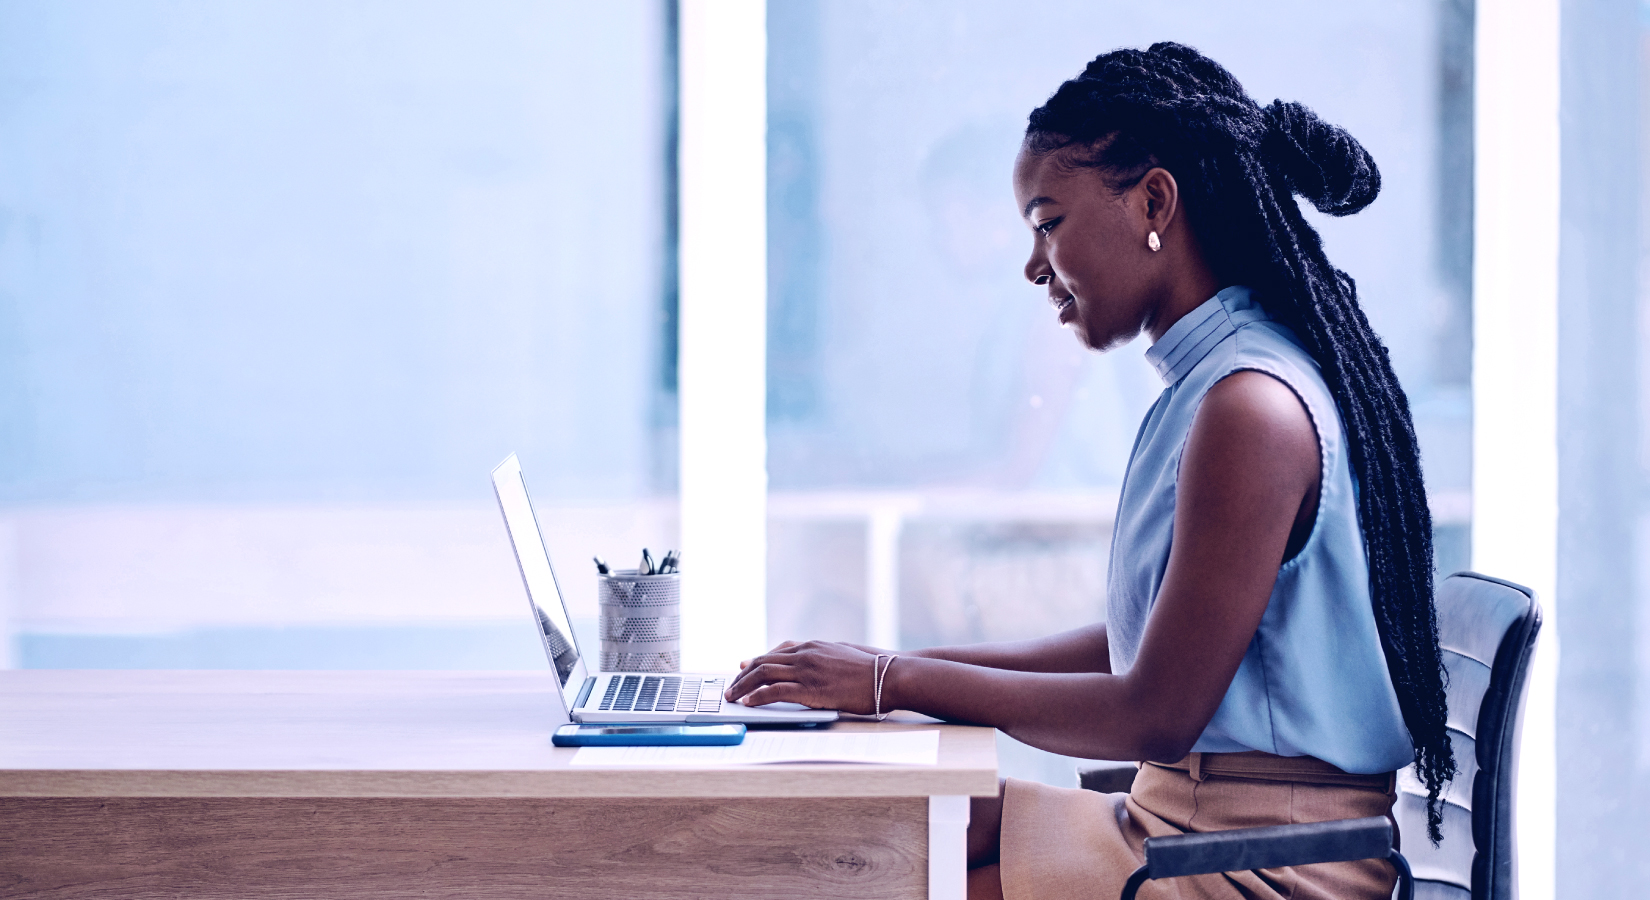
[
  {"x": 786, "y": 645},
  {"x": 818, "y": 674}
]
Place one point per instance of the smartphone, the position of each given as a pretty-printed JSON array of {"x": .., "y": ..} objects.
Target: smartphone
[{"x": 647, "y": 735}]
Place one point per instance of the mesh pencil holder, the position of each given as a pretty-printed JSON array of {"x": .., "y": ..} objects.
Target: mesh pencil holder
[{"x": 641, "y": 621}]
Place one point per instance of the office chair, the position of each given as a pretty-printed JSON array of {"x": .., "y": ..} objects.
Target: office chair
[{"x": 1487, "y": 628}]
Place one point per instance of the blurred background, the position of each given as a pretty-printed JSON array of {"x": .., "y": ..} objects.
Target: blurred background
[{"x": 281, "y": 281}]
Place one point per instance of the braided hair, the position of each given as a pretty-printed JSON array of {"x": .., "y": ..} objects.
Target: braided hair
[{"x": 1238, "y": 166}]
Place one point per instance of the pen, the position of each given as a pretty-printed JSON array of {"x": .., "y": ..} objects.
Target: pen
[
  {"x": 646, "y": 568},
  {"x": 601, "y": 567}
]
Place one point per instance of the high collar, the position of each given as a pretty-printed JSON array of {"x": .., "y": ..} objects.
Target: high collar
[{"x": 1189, "y": 340}]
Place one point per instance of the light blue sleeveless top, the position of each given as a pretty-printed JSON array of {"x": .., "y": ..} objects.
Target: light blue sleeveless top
[{"x": 1314, "y": 681}]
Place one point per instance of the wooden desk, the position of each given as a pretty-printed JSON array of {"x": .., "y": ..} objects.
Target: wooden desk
[{"x": 348, "y": 784}]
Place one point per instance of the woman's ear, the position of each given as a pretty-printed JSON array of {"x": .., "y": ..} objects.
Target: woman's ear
[{"x": 1161, "y": 197}]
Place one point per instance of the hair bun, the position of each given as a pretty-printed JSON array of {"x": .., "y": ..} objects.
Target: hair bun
[{"x": 1322, "y": 162}]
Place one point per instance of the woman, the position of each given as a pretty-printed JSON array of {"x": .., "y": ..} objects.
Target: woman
[{"x": 1270, "y": 652}]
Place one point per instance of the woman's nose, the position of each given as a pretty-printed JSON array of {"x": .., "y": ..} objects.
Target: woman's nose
[{"x": 1037, "y": 270}]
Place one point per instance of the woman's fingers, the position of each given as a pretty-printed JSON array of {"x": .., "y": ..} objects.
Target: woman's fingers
[
  {"x": 779, "y": 656},
  {"x": 758, "y": 674},
  {"x": 778, "y": 691},
  {"x": 783, "y": 645}
]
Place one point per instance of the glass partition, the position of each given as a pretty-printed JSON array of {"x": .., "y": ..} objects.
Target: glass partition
[{"x": 280, "y": 283}]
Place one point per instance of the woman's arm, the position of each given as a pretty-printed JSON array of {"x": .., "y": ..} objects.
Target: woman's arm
[
  {"x": 1248, "y": 480},
  {"x": 1079, "y": 650}
]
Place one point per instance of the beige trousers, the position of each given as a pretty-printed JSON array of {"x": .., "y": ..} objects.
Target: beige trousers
[{"x": 1063, "y": 842}]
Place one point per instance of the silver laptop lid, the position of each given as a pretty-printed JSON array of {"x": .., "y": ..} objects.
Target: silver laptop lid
[{"x": 543, "y": 593}]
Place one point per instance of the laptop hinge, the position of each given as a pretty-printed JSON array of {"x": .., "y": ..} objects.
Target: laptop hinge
[{"x": 584, "y": 692}]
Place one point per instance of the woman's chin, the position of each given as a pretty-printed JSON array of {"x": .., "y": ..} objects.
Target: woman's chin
[
  {"x": 1103, "y": 337},
  {"x": 1096, "y": 340}
]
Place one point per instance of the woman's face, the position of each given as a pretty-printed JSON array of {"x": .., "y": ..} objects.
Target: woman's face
[{"x": 1088, "y": 247}]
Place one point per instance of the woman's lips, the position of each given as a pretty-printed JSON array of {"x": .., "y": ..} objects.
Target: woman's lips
[{"x": 1062, "y": 308}]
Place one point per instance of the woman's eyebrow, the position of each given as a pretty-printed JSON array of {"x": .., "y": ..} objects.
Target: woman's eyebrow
[{"x": 1035, "y": 202}]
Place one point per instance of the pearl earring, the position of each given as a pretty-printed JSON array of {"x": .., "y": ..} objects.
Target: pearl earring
[{"x": 1153, "y": 242}]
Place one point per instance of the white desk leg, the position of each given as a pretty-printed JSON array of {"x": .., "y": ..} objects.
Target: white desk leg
[{"x": 947, "y": 848}]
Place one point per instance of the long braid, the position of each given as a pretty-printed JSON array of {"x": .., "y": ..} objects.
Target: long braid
[{"x": 1239, "y": 166}]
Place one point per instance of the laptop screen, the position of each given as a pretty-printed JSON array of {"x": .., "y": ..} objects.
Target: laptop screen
[{"x": 543, "y": 593}]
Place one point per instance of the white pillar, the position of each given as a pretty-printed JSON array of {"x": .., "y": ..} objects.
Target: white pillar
[
  {"x": 882, "y": 528},
  {"x": 1515, "y": 369},
  {"x": 723, "y": 277}
]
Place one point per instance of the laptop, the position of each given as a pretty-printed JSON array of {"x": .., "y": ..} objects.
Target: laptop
[{"x": 604, "y": 697}]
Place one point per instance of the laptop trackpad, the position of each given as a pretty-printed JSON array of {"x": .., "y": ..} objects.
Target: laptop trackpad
[{"x": 781, "y": 706}]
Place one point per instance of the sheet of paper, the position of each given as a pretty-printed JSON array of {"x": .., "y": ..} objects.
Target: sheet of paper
[{"x": 900, "y": 748}]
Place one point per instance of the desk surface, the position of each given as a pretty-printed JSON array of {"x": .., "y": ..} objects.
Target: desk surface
[{"x": 378, "y": 734}]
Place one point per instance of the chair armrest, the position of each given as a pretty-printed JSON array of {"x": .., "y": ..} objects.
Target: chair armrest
[{"x": 1268, "y": 848}]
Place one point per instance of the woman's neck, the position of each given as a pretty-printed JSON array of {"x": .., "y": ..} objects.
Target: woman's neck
[{"x": 1193, "y": 284}]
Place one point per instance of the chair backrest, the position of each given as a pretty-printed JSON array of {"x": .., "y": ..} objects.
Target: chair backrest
[{"x": 1487, "y": 628}]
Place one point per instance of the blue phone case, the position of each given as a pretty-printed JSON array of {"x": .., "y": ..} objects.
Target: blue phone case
[{"x": 648, "y": 735}]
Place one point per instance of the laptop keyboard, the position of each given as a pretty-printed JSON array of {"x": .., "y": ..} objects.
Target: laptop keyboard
[{"x": 663, "y": 693}]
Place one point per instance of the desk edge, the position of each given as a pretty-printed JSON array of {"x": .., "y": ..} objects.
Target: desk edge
[{"x": 820, "y": 781}]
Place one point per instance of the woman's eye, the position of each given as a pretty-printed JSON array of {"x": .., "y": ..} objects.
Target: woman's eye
[{"x": 1046, "y": 227}]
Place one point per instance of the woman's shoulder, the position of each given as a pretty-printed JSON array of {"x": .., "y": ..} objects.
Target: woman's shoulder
[
  {"x": 1230, "y": 334},
  {"x": 1285, "y": 379},
  {"x": 1233, "y": 332},
  {"x": 1251, "y": 429},
  {"x": 1261, "y": 343}
]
